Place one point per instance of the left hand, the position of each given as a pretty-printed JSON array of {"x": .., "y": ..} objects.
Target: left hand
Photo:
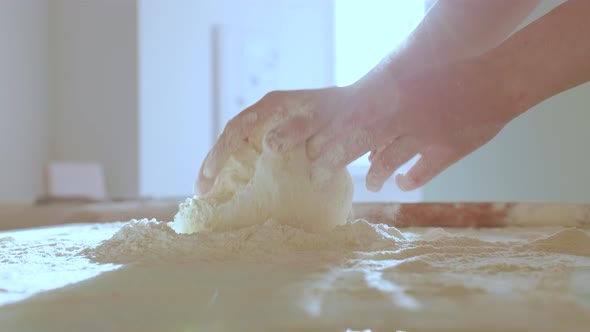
[{"x": 442, "y": 115}]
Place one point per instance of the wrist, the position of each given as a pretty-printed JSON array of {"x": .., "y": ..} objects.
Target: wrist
[
  {"x": 376, "y": 92},
  {"x": 515, "y": 82}
]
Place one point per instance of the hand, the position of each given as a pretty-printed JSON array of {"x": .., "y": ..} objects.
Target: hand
[
  {"x": 442, "y": 115},
  {"x": 306, "y": 110}
]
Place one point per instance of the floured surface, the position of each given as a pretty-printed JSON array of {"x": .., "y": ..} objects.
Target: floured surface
[
  {"x": 273, "y": 276},
  {"x": 36, "y": 260}
]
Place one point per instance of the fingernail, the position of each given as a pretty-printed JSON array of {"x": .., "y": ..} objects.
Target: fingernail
[
  {"x": 207, "y": 166},
  {"x": 403, "y": 182},
  {"x": 201, "y": 188},
  {"x": 373, "y": 187},
  {"x": 207, "y": 172},
  {"x": 371, "y": 182},
  {"x": 372, "y": 155}
]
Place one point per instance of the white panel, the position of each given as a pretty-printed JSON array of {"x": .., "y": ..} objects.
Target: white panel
[
  {"x": 24, "y": 98},
  {"x": 175, "y": 115},
  {"x": 177, "y": 122},
  {"x": 75, "y": 180},
  {"x": 246, "y": 68},
  {"x": 95, "y": 85}
]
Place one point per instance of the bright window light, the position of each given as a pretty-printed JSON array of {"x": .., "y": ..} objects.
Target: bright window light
[{"x": 366, "y": 31}]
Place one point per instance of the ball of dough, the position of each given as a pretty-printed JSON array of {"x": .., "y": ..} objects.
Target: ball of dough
[{"x": 257, "y": 185}]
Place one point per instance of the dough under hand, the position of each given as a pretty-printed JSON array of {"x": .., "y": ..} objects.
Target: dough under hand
[{"x": 257, "y": 185}]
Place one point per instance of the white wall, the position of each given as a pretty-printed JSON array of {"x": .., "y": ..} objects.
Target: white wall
[
  {"x": 175, "y": 107},
  {"x": 95, "y": 90},
  {"x": 541, "y": 156},
  {"x": 127, "y": 83},
  {"x": 24, "y": 110},
  {"x": 176, "y": 89},
  {"x": 94, "y": 98}
]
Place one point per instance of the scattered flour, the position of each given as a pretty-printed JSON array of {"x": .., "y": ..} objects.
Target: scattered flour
[
  {"x": 357, "y": 275},
  {"x": 570, "y": 241},
  {"x": 153, "y": 241}
]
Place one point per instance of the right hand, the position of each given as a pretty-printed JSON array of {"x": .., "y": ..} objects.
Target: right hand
[
  {"x": 307, "y": 111},
  {"x": 443, "y": 115}
]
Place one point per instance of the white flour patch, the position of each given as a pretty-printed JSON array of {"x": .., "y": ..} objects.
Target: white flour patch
[
  {"x": 153, "y": 241},
  {"x": 43, "y": 259}
]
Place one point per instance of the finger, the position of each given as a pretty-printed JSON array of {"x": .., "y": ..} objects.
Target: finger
[
  {"x": 372, "y": 155},
  {"x": 293, "y": 132},
  {"x": 230, "y": 140},
  {"x": 304, "y": 122},
  {"x": 340, "y": 142},
  {"x": 235, "y": 135},
  {"x": 349, "y": 137},
  {"x": 347, "y": 147},
  {"x": 378, "y": 150},
  {"x": 213, "y": 163},
  {"x": 370, "y": 111},
  {"x": 431, "y": 163},
  {"x": 386, "y": 162},
  {"x": 203, "y": 184},
  {"x": 329, "y": 136}
]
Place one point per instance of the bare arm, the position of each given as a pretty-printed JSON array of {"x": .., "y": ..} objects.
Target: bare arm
[
  {"x": 469, "y": 102},
  {"x": 547, "y": 57},
  {"x": 453, "y": 30}
]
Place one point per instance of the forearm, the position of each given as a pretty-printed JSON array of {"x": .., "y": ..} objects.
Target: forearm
[
  {"x": 547, "y": 57},
  {"x": 457, "y": 29}
]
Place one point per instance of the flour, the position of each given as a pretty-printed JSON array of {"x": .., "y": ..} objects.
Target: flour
[
  {"x": 153, "y": 241},
  {"x": 570, "y": 241},
  {"x": 276, "y": 276}
]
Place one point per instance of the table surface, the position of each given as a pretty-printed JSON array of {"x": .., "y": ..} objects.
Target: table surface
[{"x": 497, "y": 279}]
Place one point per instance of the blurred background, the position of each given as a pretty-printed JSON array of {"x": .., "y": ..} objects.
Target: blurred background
[{"x": 121, "y": 99}]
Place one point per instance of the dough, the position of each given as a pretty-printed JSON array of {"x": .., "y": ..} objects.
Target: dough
[{"x": 257, "y": 185}]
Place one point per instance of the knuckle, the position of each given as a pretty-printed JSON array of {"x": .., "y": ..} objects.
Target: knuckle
[
  {"x": 270, "y": 94},
  {"x": 385, "y": 161},
  {"x": 232, "y": 125},
  {"x": 274, "y": 95}
]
